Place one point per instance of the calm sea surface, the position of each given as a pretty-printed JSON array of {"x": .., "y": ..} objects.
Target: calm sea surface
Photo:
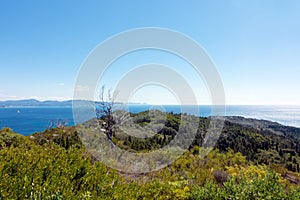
[{"x": 27, "y": 120}]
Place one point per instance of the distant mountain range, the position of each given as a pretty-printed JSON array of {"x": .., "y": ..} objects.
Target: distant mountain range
[{"x": 34, "y": 102}]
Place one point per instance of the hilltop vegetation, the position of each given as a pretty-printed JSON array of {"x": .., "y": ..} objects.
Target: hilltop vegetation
[
  {"x": 247, "y": 163},
  {"x": 261, "y": 141}
]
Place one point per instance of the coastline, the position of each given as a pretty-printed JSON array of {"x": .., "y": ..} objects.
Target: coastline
[{"x": 30, "y": 119}]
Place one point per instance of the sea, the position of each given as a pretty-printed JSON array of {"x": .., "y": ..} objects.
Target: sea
[{"x": 28, "y": 120}]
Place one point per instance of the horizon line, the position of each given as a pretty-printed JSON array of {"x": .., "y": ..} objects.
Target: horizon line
[{"x": 167, "y": 104}]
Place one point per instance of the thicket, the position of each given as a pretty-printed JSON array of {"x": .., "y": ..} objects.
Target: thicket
[{"x": 246, "y": 164}]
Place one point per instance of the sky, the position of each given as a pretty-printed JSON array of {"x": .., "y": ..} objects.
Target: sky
[{"x": 255, "y": 46}]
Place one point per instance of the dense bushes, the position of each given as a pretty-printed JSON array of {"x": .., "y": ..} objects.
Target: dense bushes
[
  {"x": 49, "y": 171},
  {"x": 55, "y": 165},
  {"x": 268, "y": 186}
]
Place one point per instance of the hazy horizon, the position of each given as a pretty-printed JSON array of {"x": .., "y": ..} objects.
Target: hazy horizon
[{"x": 145, "y": 103}]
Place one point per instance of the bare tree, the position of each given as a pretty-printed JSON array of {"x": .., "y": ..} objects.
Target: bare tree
[{"x": 104, "y": 113}]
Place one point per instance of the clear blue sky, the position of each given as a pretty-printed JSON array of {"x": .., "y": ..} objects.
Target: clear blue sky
[{"x": 255, "y": 45}]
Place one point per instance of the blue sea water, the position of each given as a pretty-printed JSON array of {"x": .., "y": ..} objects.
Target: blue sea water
[{"x": 27, "y": 120}]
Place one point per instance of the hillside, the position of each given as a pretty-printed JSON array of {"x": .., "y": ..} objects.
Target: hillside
[
  {"x": 264, "y": 125},
  {"x": 261, "y": 141},
  {"x": 248, "y": 162}
]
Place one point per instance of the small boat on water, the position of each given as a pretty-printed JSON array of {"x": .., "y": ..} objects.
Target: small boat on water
[{"x": 18, "y": 111}]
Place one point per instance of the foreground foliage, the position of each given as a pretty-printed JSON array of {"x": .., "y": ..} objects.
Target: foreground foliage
[{"x": 55, "y": 165}]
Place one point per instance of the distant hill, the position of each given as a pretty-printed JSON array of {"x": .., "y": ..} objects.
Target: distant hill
[
  {"x": 34, "y": 102},
  {"x": 50, "y": 103},
  {"x": 265, "y": 125}
]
